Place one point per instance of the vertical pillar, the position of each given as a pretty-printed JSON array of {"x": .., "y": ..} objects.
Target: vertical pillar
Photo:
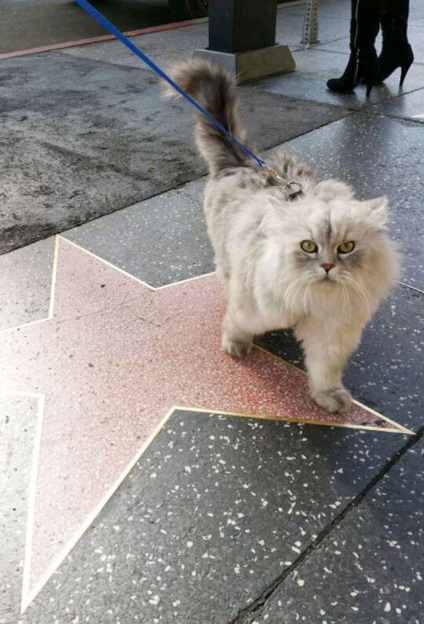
[
  {"x": 310, "y": 23},
  {"x": 242, "y": 37}
]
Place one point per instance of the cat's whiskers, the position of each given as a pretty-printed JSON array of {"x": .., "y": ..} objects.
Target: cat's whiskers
[
  {"x": 307, "y": 297},
  {"x": 346, "y": 300},
  {"x": 290, "y": 298},
  {"x": 360, "y": 291}
]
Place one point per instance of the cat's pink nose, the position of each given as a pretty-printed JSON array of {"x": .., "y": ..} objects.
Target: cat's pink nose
[{"x": 328, "y": 266}]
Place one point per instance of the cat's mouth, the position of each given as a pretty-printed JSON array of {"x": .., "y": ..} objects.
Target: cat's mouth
[{"x": 327, "y": 278}]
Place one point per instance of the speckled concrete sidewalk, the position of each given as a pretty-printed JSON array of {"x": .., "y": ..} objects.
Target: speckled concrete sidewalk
[{"x": 145, "y": 476}]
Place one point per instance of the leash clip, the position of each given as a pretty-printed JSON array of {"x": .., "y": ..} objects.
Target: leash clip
[{"x": 292, "y": 188}]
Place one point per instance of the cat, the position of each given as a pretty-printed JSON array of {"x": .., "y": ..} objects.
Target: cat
[{"x": 319, "y": 261}]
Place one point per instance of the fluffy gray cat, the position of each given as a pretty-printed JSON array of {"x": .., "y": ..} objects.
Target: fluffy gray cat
[{"x": 319, "y": 261}]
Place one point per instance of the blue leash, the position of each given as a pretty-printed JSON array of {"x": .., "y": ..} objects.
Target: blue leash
[{"x": 119, "y": 35}]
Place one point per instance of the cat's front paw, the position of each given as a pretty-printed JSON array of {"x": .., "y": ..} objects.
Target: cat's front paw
[
  {"x": 236, "y": 348},
  {"x": 333, "y": 400}
]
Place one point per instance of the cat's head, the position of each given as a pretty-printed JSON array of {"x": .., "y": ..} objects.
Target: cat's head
[{"x": 330, "y": 240}]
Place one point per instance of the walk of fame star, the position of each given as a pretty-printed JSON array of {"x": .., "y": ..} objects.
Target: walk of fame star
[{"x": 112, "y": 361}]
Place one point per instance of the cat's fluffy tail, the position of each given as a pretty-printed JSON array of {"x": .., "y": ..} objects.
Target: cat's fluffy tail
[{"x": 215, "y": 90}]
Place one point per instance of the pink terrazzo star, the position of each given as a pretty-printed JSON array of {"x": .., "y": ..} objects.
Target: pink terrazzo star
[{"x": 113, "y": 360}]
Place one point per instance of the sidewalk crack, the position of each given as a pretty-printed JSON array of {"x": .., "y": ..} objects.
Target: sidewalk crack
[{"x": 249, "y": 614}]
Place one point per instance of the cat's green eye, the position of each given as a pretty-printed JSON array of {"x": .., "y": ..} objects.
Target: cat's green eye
[
  {"x": 346, "y": 247},
  {"x": 309, "y": 246}
]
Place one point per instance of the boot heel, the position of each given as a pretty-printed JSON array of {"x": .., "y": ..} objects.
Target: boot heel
[
  {"x": 369, "y": 88},
  {"x": 371, "y": 77},
  {"x": 404, "y": 71}
]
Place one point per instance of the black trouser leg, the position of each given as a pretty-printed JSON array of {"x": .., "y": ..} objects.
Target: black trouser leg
[
  {"x": 364, "y": 23},
  {"x": 396, "y": 51},
  {"x": 363, "y": 63},
  {"x": 397, "y": 9}
]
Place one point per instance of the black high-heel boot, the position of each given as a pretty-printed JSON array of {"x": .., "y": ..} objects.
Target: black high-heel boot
[
  {"x": 405, "y": 65},
  {"x": 396, "y": 51},
  {"x": 393, "y": 57},
  {"x": 363, "y": 61},
  {"x": 362, "y": 67}
]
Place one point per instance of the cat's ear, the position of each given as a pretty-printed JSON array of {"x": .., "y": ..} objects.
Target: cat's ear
[{"x": 378, "y": 209}]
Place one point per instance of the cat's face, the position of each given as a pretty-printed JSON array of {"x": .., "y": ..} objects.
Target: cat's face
[
  {"x": 329, "y": 245},
  {"x": 331, "y": 249},
  {"x": 336, "y": 241}
]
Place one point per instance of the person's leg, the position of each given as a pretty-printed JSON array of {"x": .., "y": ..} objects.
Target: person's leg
[
  {"x": 396, "y": 51},
  {"x": 363, "y": 62}
]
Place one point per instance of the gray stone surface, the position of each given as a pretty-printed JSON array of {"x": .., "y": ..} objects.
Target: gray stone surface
[
  {"x": 315, "y": 66},
  {"x": 386, "y": 372},
  {"x": 334, "y": 16},
  {"x": 167, "y": 47},
  {"x": 378, "y": 156},
  {"x": 369, "y": 568},
  {"x": 218, "y": 511},
  {"x": 415, "y": 36},
  {"x": 18, "y": 422},
  {"x": 25, "y": 284},
  {"x": 84, "y": 138},
  {"x": 160, "y": 241},
  {"x": 194, "y": 190},
  {"x": 410, "y": 106},
  {"x": 32, "y": 23},
  {"x": 416, "y": 10},
  {"x": 163, "y": 48},
  {"x": 328, "y": 59},
  {"x": 215, "y": 510}
]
